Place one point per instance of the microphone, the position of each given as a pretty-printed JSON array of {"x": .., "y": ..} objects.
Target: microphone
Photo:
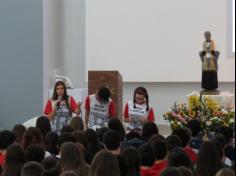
[{"x": 59, "y": 102}]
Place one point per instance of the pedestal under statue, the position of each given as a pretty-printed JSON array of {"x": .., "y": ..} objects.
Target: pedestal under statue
[{"x": 209, "y": 57}]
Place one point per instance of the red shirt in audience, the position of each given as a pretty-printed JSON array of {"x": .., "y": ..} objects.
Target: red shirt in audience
[
  {"x": 192, "y": 155},
  {"x": 158, "y": 167},
  {"x": 2, "y": 159},
  {"x": 147, "y": 172}
]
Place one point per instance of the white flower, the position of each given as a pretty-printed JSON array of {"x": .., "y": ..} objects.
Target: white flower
[
  {"x": 172, "y": 122},
  {"x": 208, "y": 123},
  {"x": 231, "y": 121},
  {"x": 179, "y": 123}
]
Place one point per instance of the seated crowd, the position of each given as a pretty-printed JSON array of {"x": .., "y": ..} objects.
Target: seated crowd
[{"x": 111, "y": 151}]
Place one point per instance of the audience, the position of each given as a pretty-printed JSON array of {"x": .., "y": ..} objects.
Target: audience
[{"x": 38, "y": 151}]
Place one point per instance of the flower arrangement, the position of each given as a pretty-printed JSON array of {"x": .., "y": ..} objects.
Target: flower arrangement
[{"x": 209, "y": 112}]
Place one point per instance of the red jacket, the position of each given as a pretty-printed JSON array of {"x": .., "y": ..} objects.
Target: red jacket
[{"x": 159, "y": 167}]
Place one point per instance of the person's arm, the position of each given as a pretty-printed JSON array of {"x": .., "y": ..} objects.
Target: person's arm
[
  {"x": 75, "y": 107},
  {"x": 50, "y": 110},
  {"x": 127, "y": 119},
  {"x": 87, "y": 111},
  {"x": 87, "y": 114}
]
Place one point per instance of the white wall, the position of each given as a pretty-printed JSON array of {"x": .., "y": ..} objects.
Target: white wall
[
  {"x": 155, "y": 40},
  {"x": 52, "y": 42},
  {"x": 163, "y": 95}
]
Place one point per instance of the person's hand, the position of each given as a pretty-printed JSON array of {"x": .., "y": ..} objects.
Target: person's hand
[
  {"x": 56, "y": 103},
  {"x": 143, "y": 120},
  {"x": 79, "y": 104}
]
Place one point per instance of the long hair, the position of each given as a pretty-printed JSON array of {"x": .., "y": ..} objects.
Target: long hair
[
  {"x": 105, "y": 164},
  {"x": 142, "y": 91},
  {"x": 72, "y": 159},
  {"x": 65, "y": 96},
  {"x": 208, "y": 163},
  {"x": 15, "y": 159},
  {"x": 32, "y": 136},
  {"x": 133, "y": 159}
]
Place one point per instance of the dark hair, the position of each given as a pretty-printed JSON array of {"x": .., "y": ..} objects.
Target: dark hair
[
  {"x": 51, "y": 141},
  {"x": 141, "y": 91},
  {"x": 178, "y": 157},
  {"x": 157, "y": 137},
  {"x": 160, "y": 148},
  {"x": 6, "y": 139},
  {"x": 149, "y": 129},
  {"x": 43, "y": 124},
  {"x": 104, "y": 94},
  {"x": 183, "y": 134},
  {"x": 208, "y": 162},
  {"x": 105, "y": 164},
  {"x": 32, "y": 169},
  {"x": 132, "y": 135},
  {"x": 69, "y": 173},
  {"x": 65, "y": 137},
  {"x": 72, "y": 159},
  {"x": 94, "y": 146},
  {"x": 220, "y": 143},
  {"x": 133, "y": 160},
  {"x": 65, "y": 96},
  {"x": 147, "y": 155},
  {"x": 1, "y": 170},
  {"x": 35, "y": 153},
  {"x": 195, "y": 126},
  {"x": 32, "y": 136},
  {"x": 66, "y": 129},
  {"x": 112, "y": 140},
  {"x": 115, "y": 124},
  {"x": 77, "y": 124},
  {"x": 15, "y": 159},
  {"x": 19, "y": 131},
  {"x": 171, "y": 171},
  {"x": 173, "y": 141},
  {"x": 227, "y": 132},
  {"x": 80, "y": 138},
  {"x": 100, "y": 133},
  {"x": 51, "y": 166},
  {"x": 185, "y": 171}
]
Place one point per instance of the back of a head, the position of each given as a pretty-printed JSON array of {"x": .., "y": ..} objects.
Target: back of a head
[
  {"x": 32, "y": 136},
  {"x": 185, "y": 171},
  {"x": 178, "y": 157},
  {"x": 133, "y": 160},
  {"x": 51, "y": 142},
  {"x": 69, "y": 173},
  {"x": 19, "y": 131},
  {"x": 35, "y": 153},
  {"x": 67, "y": 129},
  {"x": 133, "y": 135},
  {"x": 160, "y": 148},
  {"x": 227, "y": 132},
  {"x": 208, "y": 162},
  {"x": 32, "y": 169},
  {"x": 112, "y": 140},
  {"x": 91, "y": 136},
  {"x": 77, "y": 124},
  {"x": 101, "y": 132},
  {"x": 195, "y": 126},
  {"x": 65, "y": 137},
  {"x": 226, "y": 172},
  {"x": 44, "y": 125},
  {"x": 80, "y": 138},
  {"x": 105, "y": 164},
  {"x": 115, "y": 124},
  {"x": 183, "y": 134},
  {"x": 147, "y": 155},
  {"x": 71, "y": 157},
  {"x": 6, "y": 139},
  {"x": 104, "y": 94},
  {"x": 171, "y": 172},
  {"x": 149, "y": 129},
  {"x": 51, "y": 166},
  {"x": 173, "y": 141}
]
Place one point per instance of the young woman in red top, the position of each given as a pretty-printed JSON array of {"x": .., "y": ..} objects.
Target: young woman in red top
[
  {"x": 138, "y": 111},
  {"x": 60, "y": 107}
]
